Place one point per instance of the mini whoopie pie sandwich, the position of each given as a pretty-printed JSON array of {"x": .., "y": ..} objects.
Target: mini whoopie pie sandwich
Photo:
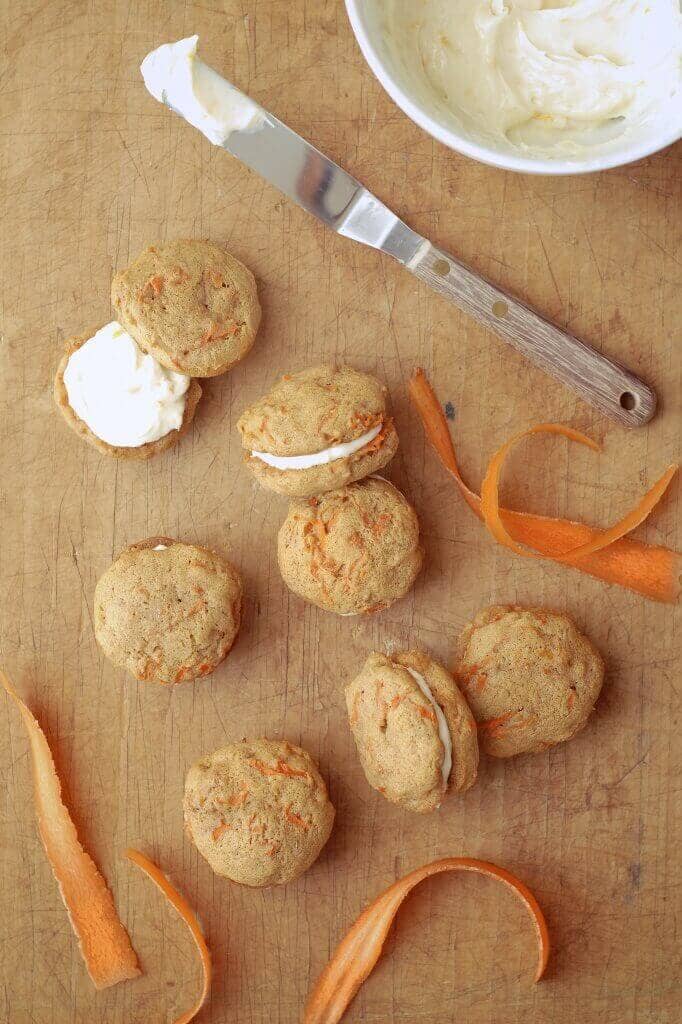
[
  {"x": 413, "y": 730},
  {"x": 119, "y": 399},
  {"x": 318, "y": 430},
  {"x": 352, "y": 550},
  {"x": 190, "y": 304},
  {"x": 168, "y": 611},
  {"x": 258, "y": 811},
  {"x": 530, "y": 676}
]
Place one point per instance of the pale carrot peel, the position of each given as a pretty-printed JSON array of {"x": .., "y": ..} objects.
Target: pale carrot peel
[
  {"x": 358, "y": 952},
  {"x": 606, "y": 554},
  {"x": 104, "y": 943},
  {"x": 180, "y": 904}
]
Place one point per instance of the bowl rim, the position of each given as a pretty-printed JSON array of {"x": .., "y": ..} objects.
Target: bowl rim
[{"x": 479, "y": 151}]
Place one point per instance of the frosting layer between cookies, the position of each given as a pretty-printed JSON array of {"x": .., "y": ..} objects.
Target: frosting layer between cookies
[
  {"x": 322, "y": 458},
  {"x": 443, "y": 727},
  {"x": 125, "y": 397}
]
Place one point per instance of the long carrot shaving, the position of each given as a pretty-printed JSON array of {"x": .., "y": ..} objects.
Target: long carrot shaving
[
  {"x": 490, "y": 502},
  {"x": 359, "y": 951},
  {"x": 178, "y": 901},
  {"x": 647, "y": 569},
  {"x": 103, "y": 941},
  {"x": 490, "y": 506}
]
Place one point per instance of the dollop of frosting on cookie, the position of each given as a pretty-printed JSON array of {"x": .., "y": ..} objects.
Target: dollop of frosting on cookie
[
  {"x": 125, "y": 397},
  {"x": 327, "y": 455},
  {"x": 174, "y": 75},
  {"x": 443, "y": 727}
]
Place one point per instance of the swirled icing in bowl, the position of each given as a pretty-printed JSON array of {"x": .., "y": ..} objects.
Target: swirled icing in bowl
[{"x": 556, "y": 78}]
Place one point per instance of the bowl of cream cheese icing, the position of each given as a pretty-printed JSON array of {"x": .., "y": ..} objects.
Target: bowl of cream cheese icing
[{"x": 539, "y": 86}]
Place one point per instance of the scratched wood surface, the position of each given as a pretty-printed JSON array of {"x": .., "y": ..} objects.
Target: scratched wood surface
[{"x": 91, "y": 170}]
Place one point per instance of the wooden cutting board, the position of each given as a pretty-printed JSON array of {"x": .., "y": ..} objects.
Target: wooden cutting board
[{"x": 91, "y": 170}]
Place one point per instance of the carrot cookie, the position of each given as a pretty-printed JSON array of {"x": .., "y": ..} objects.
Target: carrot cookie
[
  {"x": 168, "y": 611},
  {"x": 318, "y": 430},
  {"x": 530, "y": 677},
  {"x": 413, "y": 729},
  {"x": 119, "y": 399},
  {"x": 352, "y": 550},
  {"x": 190, "y": 304},
  {"x": 258, "y": 811}
]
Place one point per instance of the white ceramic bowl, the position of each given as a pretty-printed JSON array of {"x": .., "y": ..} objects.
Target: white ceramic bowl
[{"x": 401, "y": 85}]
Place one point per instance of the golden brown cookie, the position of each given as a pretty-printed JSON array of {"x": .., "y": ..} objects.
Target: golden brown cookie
[
  {"x": 413, "y": 730},
  {"x": 530, "y": 677},
  {"x": 302, "y": 438},
  {"x": 258, "y": 811},
  {"x": 168, "y": 611},
  {"x": 191, "y": 304},
  {"x": 352, "y": 550},
  {"x": 143, "y": 451}
]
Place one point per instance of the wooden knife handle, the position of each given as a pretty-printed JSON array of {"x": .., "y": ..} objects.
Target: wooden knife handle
[{"x": 602, "y": 383}]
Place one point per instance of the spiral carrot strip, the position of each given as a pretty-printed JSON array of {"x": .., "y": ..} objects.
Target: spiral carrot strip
[
  {"x": 607, "y": 555},
  {"x": 178, "y": 901},
  {"x": 359, "y": 951}
]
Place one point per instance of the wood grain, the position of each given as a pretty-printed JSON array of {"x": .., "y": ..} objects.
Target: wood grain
[
  {"x": 611, "y": 389},
  {"x": 91, "y": 170}
]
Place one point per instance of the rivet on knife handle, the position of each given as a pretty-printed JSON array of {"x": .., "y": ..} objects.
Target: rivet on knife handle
[{"x": 601, "y": 382}]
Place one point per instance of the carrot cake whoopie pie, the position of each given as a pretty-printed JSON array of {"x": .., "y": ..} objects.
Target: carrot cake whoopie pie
[
  {"x": 119, "y": 399},
  {"x": 352, "y": 550},
  {"x": 317, "y": 430},
  {"x": 413, "y": 730},
  {"x": 190, "y": 304},
  {"x": 530, "y": 676},
  {"x": 168, "y": 611},
  {"x": 258, "y": 811}
]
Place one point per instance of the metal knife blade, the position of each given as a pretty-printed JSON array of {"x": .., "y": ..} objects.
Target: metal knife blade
[{"x": 321, "y": 187}]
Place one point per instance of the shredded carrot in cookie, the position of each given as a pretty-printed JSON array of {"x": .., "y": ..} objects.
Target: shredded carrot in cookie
[
  {"x": 216, "y": 332},
  {"x": 281, "y": 768},
  {"x": 359, "y": 951},
  {"x": 375, "y": 444},
  {"x": 180, "y": 275},
  {"x": 425, "y": 712},
  {"x": 219, "y": 829},
  {"x": 295, "y": 819},
  {"x": 178, "y": 901},
  {"x": 493, "y": 727},
  {"x": 104, "y": 942},
  {"x": 152, "y": 288},
  {"x": 606, "y": 554},
  {"x": 240, "y": 798}
]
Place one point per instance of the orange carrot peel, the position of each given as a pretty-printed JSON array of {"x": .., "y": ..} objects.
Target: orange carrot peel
[
  {"x": 359, "y": 951},
  {"x": 606, "y": 554},
  {"x": 178, "y": 901},
  {"x": 104, "y": 942}
]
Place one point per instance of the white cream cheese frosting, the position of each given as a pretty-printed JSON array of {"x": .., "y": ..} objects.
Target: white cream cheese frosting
[
  {"x": 443, "y": 727},
  {"x": 543, "y": 73},
  {"x": 125, "y": 397},
  {"x": 323, "y": 458},
  {"x": 176, "y": 76}
]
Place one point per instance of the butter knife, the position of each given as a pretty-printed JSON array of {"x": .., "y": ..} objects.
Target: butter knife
[{"x": 321, "y": 187}]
